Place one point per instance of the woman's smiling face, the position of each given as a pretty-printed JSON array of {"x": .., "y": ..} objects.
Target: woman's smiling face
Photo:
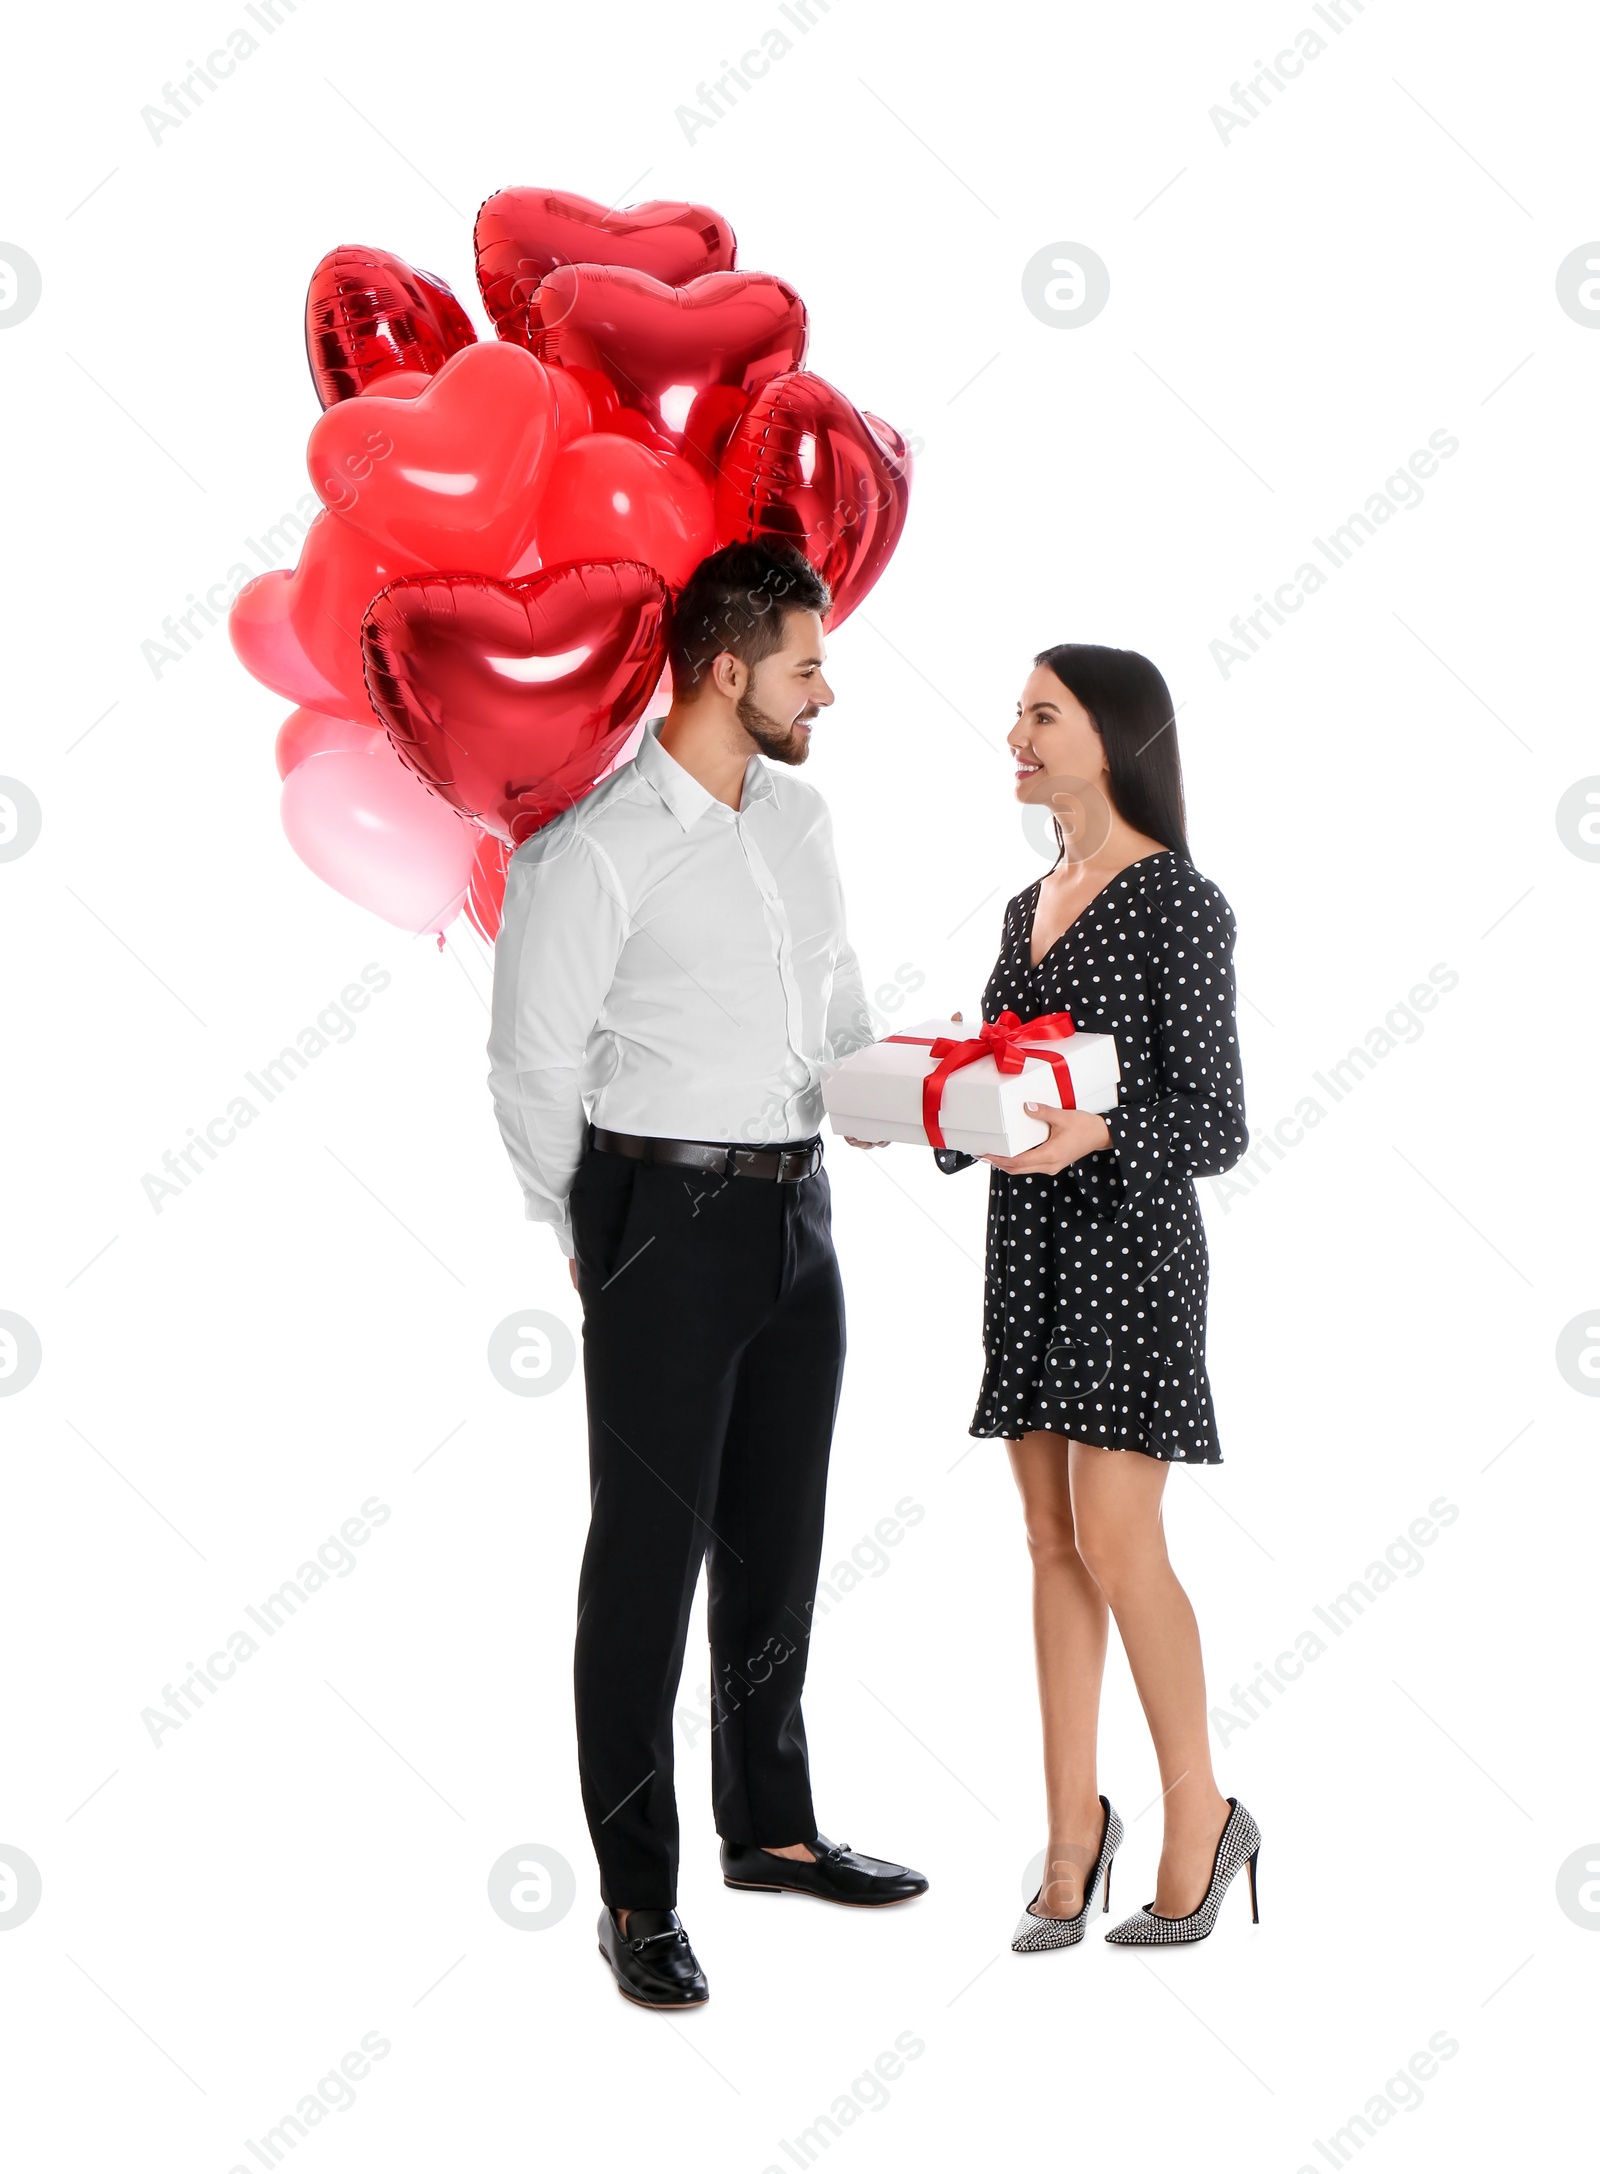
[{"x": 1054, "y": 737}]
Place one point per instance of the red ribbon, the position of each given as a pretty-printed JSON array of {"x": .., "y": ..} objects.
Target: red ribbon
[{"x": 1005, "y": 1040}]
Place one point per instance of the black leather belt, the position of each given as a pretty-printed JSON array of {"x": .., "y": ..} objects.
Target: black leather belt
[{"x": 786, "y": 1165}]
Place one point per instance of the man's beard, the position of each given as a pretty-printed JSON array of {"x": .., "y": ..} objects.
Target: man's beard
[{"x": 784, "y": 743}]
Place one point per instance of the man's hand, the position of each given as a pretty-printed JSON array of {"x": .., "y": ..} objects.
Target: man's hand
[
  {"x": 572, "y": 1269},
  {"x": 1073, "y": 1134}
]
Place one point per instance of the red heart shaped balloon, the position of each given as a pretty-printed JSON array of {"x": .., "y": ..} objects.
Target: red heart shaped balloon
[
  {"x": 521, "y": 234},
  {"x": 577, "y": 393},
  {"x": 486, "y": 893},
  {"x": 299, "y": 631},
  {"x": 611, "y": 498},
  {"x": 575, "y": 416},
  {"x": 804, "y": 467},
  {"x": 368, "y": 312},
  {"x": 672, "y": 353},
  {"x": 452, "y": 477},
  {"x": 509, "y": 698},
  {"x": 401, "y": 384}
]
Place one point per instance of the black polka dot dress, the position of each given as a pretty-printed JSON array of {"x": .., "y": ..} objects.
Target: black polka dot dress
[{"x": 1095, "y": 1292}]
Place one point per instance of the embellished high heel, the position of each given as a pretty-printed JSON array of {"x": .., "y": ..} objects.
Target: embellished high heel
[
  {"x": 1034, "y": 1934},
  {"x": 1239, "y": 1844}
]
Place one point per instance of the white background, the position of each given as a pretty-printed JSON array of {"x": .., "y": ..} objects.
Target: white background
[{"x": 1291, "y": 314}]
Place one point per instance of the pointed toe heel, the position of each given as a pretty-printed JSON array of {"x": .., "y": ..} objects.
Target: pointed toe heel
[
  {"x": 1035, "y": 1935},
  {"x": 1239, "y": 1844}
]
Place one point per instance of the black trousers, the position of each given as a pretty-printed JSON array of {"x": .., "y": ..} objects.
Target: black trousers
[{"x": 713, "y": 1349}]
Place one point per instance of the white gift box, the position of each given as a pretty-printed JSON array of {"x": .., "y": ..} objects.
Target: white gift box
[{"x": 877, "y": 1093}]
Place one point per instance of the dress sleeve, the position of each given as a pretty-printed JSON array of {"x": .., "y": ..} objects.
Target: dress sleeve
[{"x": 1195, "y": 1124}]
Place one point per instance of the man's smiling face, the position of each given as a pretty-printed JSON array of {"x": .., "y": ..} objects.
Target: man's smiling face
[{"x": 785, "y": 691}]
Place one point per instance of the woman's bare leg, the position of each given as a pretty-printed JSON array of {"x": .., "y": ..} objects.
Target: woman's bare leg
[
  {"x": 1070, "y": 1622},
  {"x": 1116, "y": 1516}
]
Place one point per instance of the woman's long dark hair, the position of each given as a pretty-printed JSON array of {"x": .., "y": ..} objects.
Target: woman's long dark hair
[{"x": 1132, "y": 711}]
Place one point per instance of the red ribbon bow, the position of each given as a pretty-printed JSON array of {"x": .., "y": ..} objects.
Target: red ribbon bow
[{"x": 1005, "y": 1040}]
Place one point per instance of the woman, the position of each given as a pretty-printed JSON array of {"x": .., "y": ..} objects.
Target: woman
[{"x": 1095, "y": 1300}]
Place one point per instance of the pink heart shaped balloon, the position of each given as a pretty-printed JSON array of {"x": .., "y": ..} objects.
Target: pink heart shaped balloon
[
  {"x": 314, "y": 732},
  {"x": 371, "y": 829},
  {"x": 298, "y": 630}
]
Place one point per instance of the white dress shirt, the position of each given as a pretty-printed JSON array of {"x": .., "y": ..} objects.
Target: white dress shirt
[{"x": 672, "y": 966}]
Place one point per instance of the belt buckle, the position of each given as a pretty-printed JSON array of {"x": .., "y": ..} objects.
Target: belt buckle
[{"x": 810, "y": 1161}]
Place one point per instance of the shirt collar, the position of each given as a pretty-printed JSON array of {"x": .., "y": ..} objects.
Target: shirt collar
[{"x": 684, "y": 795}]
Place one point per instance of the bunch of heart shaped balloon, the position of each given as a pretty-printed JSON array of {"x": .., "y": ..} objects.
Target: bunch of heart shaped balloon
[{"x": 479, "y": 618}]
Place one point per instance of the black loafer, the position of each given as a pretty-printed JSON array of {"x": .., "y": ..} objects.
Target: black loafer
[
  {"x": 652, "y": 1961},
  {"x": 837, "y": 1874}
]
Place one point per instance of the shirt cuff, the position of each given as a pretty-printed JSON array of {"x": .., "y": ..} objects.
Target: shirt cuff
[{"x": 536, "y": 1209}]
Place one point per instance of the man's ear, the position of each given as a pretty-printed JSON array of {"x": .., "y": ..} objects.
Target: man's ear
[{"x": 728, "y": 674}]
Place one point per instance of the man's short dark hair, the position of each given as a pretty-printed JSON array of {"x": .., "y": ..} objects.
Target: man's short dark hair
[{"x": 737, "y": 600}]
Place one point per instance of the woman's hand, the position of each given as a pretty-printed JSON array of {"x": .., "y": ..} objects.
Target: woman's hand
[{"x": 1073, "y": 1134}]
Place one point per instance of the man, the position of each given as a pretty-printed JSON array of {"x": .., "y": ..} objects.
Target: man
[{"x": 672, "y": 953}]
